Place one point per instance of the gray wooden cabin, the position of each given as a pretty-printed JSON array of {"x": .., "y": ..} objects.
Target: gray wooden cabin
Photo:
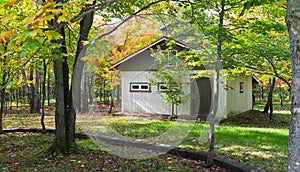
[{"x": 138, "y": 96}]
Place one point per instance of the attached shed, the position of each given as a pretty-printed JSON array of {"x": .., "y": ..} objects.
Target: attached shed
[{"x": 139, "y": 96}]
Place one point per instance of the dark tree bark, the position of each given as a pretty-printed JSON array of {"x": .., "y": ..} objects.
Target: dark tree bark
[
  {"x": 44, "y": 95},
  {"x": 293, "y": 25},
  {"x": 269, "y": 104},
  {"x": 280, "y": 96},
  {"x": 48, "y": 87},
  {"x": 31, "y": 94},
  {"x": 262, "y": 92},
  {"x": 36, "y": 94},
  {"x": 60, "y": 127},
  {"x": 2, "y": 101},
  {"x": 26, "y": 87},
  {"x": 65, "y": 112},
  {"x": 111, "y": 105},
  {"x": 17, "y": 97}
]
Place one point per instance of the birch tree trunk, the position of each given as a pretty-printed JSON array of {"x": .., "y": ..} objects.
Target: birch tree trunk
[
  {"x": 293, "y": 24},
  {"x": 212, "y": 116}
]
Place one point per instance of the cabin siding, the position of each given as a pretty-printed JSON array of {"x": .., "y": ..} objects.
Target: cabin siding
[
  {"x": 238, "y": 102},
  {"x": 141, "y": 62},
  {"x": 147, "y": 102}
]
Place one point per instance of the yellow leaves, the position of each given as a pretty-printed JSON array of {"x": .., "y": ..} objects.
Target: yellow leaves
[
  {"x": 84, "y": 43},
  {"x": 5, "y": 36},
  {"x": 52, "y": 35},
  {"x": 5, "y": 19},
  {"x": 11, "y": 3},
  {"x": 89, "y": 2},
  {"x": 282, "y": 3},
  {"x": 62, "y": 18},
  {"x": 21, "y": 38},
  {"x": 27, "y": 20}
]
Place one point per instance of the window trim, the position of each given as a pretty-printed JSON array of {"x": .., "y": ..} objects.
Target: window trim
[
  {"x": 175, "y": 88},
  {"x": 139, "y": 84},
  {"x": 159, "y": 87},
  {"x": 170, "y": 54}
]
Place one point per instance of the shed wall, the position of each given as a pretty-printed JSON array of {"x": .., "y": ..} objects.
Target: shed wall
[
  {"x": 238, "y": 102},
  {"x": 147, "y": 102}
]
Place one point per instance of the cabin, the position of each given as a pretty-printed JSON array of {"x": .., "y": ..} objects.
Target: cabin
[{"x": 140, "y": 95}]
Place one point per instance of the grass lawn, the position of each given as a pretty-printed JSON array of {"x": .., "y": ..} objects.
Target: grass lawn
[{"x": 251, "y": 138}]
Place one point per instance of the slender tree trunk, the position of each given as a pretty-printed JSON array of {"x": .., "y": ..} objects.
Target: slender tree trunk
[
  {"x": 212, "y": 116},
  {"x": 111, "y": 105},
  {"x": 262, "y": 92},
  {"x": 44, "y": 95},
  {"x": 17, "y": 97},
  {"x": 2, "y": 101},
  {"x": 271, "y": 99},
  {"x": 91, "y": 90},
  {"x": 118, "y": 95},
  {"x": 293, "y": 25},
  {"x": 48, "y": 88},
  {"x": 280, "y": 96},
  {"x": 36, "y": 94},
  {"x": 26, "y": 87},
  {"x": 85, "y": 98},
  {"x": 269, "y": 104},
  {"x": 31, "y": 103}
]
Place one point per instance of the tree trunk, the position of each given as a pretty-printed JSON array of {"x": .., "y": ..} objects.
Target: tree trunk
[
  {"x": 262, "y": 92},
  {"x": 2, "y": 101},
  {"x": 17, "y": 97},
  {"x": 212, "y": 116},
  {"x": 271, "y": 100},
  {"x": 111, "y": 105},
  {"x": 31, "y": 103},
  {"x": 48, "y": 88},
  {"x": 91, "y": 90},
  {"x": 118, "y": 96},
  {"x": 269, "y": 104},
  {"x": 36, "y": 95},
  {"x": 66, "y": 111},
  {"x": 85, "y": 95},
  {"x": 85, "y": 26},
  {"x": 293, "y": 24},
  {"x": 60, "y": 127},
  {"x": 44, "y": 95},
  {"x": 280, "y": 96},
  {"x": 26, "y": 87}
]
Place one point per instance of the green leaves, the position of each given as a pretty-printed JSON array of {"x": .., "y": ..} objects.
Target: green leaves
[{"x": 33, "y": 44}]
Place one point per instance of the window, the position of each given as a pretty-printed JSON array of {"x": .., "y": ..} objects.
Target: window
[
  {"x": 164, "y": 87},
  {"x": 241, "y": 87},
  {"x": 140, "y": 87},
  {"x": 169, "y": 56}
]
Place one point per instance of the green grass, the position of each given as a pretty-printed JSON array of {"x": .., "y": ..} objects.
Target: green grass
[
  {"x": 276, "y": 106},
  {"x": 250, "y": 138}
]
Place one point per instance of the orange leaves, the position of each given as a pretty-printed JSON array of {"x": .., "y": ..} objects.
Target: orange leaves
[
  {"x": 44, "y": 14},
  {"x": 5, "y": 36},
  {"x": 11, "y": 3}
]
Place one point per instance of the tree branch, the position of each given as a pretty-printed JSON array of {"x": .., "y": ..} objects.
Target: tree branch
[{"x": 259, "y": 71}]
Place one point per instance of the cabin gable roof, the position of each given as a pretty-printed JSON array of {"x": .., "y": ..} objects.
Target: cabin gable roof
[{"x": 144, "y": 49}]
